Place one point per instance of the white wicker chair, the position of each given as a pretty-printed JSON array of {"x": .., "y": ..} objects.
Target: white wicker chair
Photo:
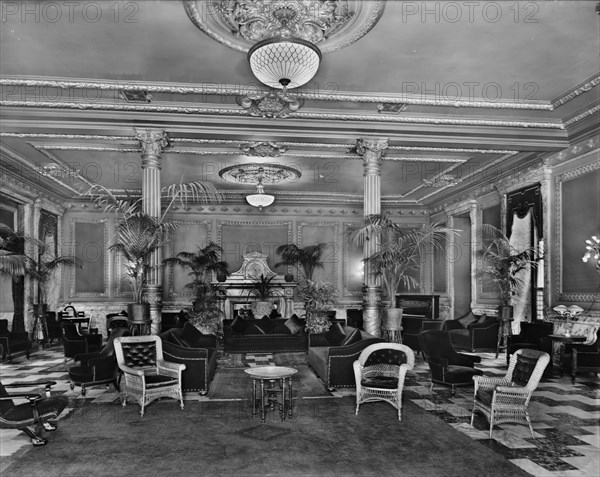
[
  {"x": 379, "y": 373},
  {"x": 507, "y": 399},
  {"x": 147, "y": 375}
]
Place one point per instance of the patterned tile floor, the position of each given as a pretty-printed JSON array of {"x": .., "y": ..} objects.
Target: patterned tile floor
[{"x": 566, "y": 417}]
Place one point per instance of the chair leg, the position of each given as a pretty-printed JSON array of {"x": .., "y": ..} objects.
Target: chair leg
[
  {"x": 529, "y": 422},
  {"x": 49, "y": 426},
  {"x": 431, "y": 387},
  {"x": 472, "y": 416},
  {"x": 36, "y": 440}
]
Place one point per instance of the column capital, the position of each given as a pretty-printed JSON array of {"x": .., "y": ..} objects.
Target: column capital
[
  {"x": 152, "y": 142},
  {"x": 371, "y": 144}
]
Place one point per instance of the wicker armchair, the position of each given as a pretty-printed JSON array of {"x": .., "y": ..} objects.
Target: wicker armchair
[
  {"x": 147, "y": 375},
  {"x": 379, "y": 373},
  {"x": 507, "y": 399}
]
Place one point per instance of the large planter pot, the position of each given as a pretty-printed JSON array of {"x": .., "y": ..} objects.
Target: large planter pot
[
  {"x": 505, "y": 312},
  {"x": 261, "y": 308},
  {"x": 138, "y": 312},
  {"x": 288, "y": 277},
  {"x": 391, "y": 319}
]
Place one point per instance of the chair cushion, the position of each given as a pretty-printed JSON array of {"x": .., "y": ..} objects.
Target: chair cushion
[
  {"x": 386, "y": 356},
  {"x": 239, "y": 325},
  {"x": 159, "y": 380},
  {"x": 482, "y": 319},
  {"x": 523, "y": 370},
  {"x": 467, "y": 319},
  {"x": 335, "y": 335},
  {"x": 352, "y": 338},
  {"x": 294, "y": 325},
  {"x": 47, "y": 407},
  {"x": 385, "y": 382},
  {"x": 485, "y": 396},
  {"x": 255, "y": 329},
  {"x": 194, "y": 338},
  {"x": 455, "y": 374},
  {"x": 459, "y": 332}
]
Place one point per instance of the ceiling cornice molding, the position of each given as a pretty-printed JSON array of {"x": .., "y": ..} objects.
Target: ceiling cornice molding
[
  {"x": 580, "y": 115},
  {"x": 321, "y": 116},
  {"x": 325, "y": 95},
  {"x": 580, "y": 89},
  {"x": 237, "y": 143}
]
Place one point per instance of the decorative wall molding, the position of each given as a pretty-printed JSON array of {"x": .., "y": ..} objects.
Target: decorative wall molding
[
  {"x": 556, "y": 261},
  {"x": 266, "y": 223},
  {"x": 583, "y": 115},
  {"x": 578, "y": 90},
  {"x": 105, "y": 252}
]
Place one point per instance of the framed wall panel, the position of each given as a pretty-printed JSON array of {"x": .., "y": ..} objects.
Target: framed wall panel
[
  {"x": 239, "y": 237},
  {"x": 187, "y": 237},
  {"x": 353, "y": 266},
  {"x": 312, "y": 233},
  {"x": 89, "y": 242},
  {"x": 577, "y": 219}
]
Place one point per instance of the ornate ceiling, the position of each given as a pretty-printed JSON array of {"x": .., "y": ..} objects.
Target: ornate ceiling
[{"x": 461, "y": 90}]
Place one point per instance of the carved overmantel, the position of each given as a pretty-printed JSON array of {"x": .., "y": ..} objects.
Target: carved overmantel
[{"x": 239, "y": 283}]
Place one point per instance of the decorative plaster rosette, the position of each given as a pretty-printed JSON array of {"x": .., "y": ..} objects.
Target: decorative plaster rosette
[
  {"x": 259, "y": 173},
  {"x": 330, "y": 24}
]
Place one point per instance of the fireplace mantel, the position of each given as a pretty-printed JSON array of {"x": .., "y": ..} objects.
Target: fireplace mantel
[{"x": 238, "y": 284}]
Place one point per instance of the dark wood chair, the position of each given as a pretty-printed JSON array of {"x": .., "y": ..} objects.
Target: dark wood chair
[{"x": 13, "y": 341}]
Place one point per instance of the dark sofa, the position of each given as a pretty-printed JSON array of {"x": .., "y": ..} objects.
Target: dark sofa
[
  {"x": 197, "y": 351},
  {"x": 331, "y": 355},
  {"x": 13, "y": 341},
  {"x": 473, "y": 332},
  {"x": 266, "y": 335}
]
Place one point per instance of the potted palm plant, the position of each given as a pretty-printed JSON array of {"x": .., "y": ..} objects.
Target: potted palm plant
[
  {"x": 305, "y": 259},
  {"x": 205, "y": 312},
  {"x": 139, "y": 235},
  {"x": 263, "y": 289},
  {"x": 503, "y": 264},
  {"x": 400, "y": 253},
  {"x": 15, "y": 263}
]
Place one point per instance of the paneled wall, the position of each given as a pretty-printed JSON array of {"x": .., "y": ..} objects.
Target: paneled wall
[{"x": 238, "y": 232}]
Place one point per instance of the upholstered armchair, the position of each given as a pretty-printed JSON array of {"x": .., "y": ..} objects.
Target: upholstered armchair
[
  {"x": 13, "y": 341},
  {"x": 53, "y": 327},
  {"x": 379, "y": 373},
  {"x": 412, "y": 326},
  {"x": 446, "y": 365},
  {"x": 577, "y": 358},
  {"x": 532, "y": 336},
  {"x": 75, "y": 343},
  {"x": 147, "y": 375},
  {"x": 99, "y": 367},
  {"x": 38, "y": 411},
  {"x": 506, "y": 399}
]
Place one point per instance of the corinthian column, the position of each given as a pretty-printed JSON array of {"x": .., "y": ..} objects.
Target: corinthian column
[
  {"x": 152, "y": 143},
  {"x": 372, "y": 150}
]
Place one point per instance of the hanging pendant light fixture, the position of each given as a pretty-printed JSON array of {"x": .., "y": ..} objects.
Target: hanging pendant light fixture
[{"x": 260, "y": 199}]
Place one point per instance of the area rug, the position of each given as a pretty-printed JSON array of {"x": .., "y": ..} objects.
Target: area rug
[
  {"x": 234, "y": 383},
  {"x": 324, "y": 438}
]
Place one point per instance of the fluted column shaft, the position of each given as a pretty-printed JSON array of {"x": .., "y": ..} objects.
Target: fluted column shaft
[
  {"x": 152, "y": 143},
  {"x": 372, "y": 151}
]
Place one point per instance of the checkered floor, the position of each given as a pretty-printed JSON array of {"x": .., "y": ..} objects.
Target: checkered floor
[{"x": 565, "y": 417}]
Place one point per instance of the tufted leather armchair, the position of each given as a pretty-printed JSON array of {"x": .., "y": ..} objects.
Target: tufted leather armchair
[
  {"x": 379, "y": 373},
  {"x": 99, "y": 367},
  {"x": 147, "y": 375},
  {"x": 446, "y": 365}
]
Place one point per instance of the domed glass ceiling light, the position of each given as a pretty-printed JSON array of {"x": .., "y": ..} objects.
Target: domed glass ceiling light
[
  {"x": 284, "y": 61},
  {"x": 260, "y": 199}
]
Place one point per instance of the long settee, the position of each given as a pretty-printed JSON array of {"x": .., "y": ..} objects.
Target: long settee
[
  {"x": 197, "y": 351},
  {"x": 331, "y": 355},
  {"x": 266, "y": 335}
]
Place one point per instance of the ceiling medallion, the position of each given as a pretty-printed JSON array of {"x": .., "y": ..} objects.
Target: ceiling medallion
[
  {"x": 259, "y": 173},
  {"x": 274, "y": 104},
  {"x": 445, "y": 180},
  {"x": 262, "y": 149},
  {"x": 330, "y": 24},
  {"x": 52, "y": 169}
]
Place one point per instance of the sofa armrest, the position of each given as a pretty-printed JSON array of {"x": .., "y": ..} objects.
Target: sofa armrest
[
  {"x": 431, "y": 325},
  {"x": 452, "y": 325}
]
